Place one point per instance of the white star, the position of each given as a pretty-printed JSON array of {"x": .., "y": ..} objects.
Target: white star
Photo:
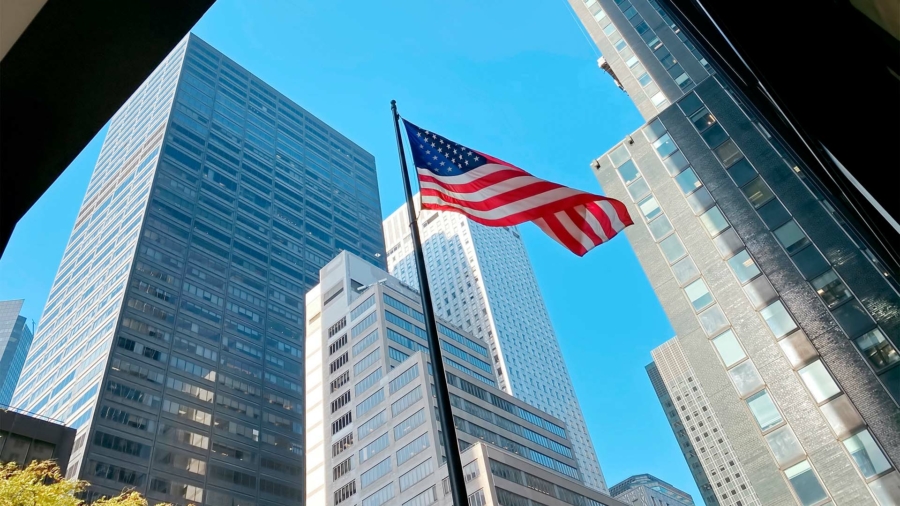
[
  {"x": 434, "y": 157},
  {"x": 427, "y": 152},
  {"x": 454, "y": 151},
  {"x": 470, "y": 153},
  {"x": 440, "y": 150},
  {"x": 419, "y": 134},
  {"x": 442, "y": 164},
  {"x": 442, "y": 141},
  {"x": 467, "y": 162},
  {"x": 432, "y": 145},
  {"x": 476, "y": 158},
  {"x": 421, "y": 146},
  {"x": 433, "y": 136}
]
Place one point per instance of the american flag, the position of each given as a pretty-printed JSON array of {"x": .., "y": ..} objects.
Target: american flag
[{"x": 492, "y": 192}]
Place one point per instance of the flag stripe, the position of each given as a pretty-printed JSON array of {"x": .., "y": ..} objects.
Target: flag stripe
[{"x": 495, "y": 193}]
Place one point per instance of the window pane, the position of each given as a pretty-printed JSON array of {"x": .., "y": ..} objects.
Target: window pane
[
  {"x": 831, "y": 289},
  {"x": 654, "y": 130},
  {"x": 805, "y": 484},
  {"x": 690, "y": 103},
  {"x": 700, "y": 201},
  {"x": 620, "y": 45},
  {"x": 778, "y": 319},
  {"x": 729, "y": 349},
  {"x": 619, "y": 155},
  {"x": 713, "y": 221},
  {"x": 742, "y": 172},
  {"x": 698, "y": 294},
  {"x": 746, "y": 378},
  {"x": 757, "y": 192},
  {"x": 743, "y": 266},
  {"x": 638, "y": 189},
  {"x": 877, "y": 349},
  {"x": 791, "y": 237},
  {"x": 675, "y": 163},
  {"x": 685, "y": 270},
  {"x": 660, "y": 227},
  {"x": 715, "y": 135},
  {"x": 818, "y": 381},
  {"x": 664, "y": 146},
  {"x": 650, "y": 208},
  {"x": 785, "y": 446},
  {"x": 658, "y": 99},
  {"x": 628, "y": 170},
  {"x": 672, "y": 248},
  {"x": 702, "y": 120},
  {"x": 688, "y": 181},
  {"x": 645, "y": 79},
  {"x": 728, "y": 153},
  {"x": 713, "y": 320},
  {"x": 867, "y": 454},
  {"x": 764, "y": 410}
]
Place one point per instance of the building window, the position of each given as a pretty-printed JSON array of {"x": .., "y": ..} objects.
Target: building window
[
  {"x": 764, "y": 410},
  {"x": 868, "y": 456},
  {"x": 791, "y": 237},
  {"x": 687, "y": 181},
  {"x": 714, "y": 221},
  {"x": 728, "y": 153},
  {"x": 818, "y": 381},
  {"x": 877, "y": 349},
  {"x": 778, "y": 319},
  {"x": 649, "y": 208},
  {"x": 832, "y": 290},
  {"x": 757, "y": 192},
  {"x": 660, "y": 227},
  {"x": 672, "y": 248},
  {"x": 805, "y": 484},
  {"x": 729, "y": 348},
  {"x": 699, "y": 295},
  {"x": 664, "y": 145},
  {"x": 743, "y": 266}
]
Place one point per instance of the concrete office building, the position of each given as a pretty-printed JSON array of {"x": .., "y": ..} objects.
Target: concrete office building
[
  {"x": 648, "y": 490},
  {"x": 15, "y": 341},
  {"x": 173, "y": 332},
  {"x": 372, "y": 433},
  {"x": 24, "y": 438},
  {"x": 787, "y": 329},
  {"x": 685, "y": 441},
  {"x": 787, "y": 326},
  {"x": 482, "y": 282}
]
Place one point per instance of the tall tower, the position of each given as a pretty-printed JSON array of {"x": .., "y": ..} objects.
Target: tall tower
[
  {"x": 787, "y": 328},
  {"x": 173, "y": 334},
  {"x": 482, "y": 282},
  {"x": 15, "y": 341}
]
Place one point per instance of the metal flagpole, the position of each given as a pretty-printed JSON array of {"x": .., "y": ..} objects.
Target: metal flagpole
[{"x": 451, "y": 445}]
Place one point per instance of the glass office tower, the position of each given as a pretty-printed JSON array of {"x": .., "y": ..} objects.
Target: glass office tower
[
  {"x": 172, "y": 338},
  {"x": 15, "y": 341},
  {"x": 785, "y": 364},
  {"x": 482, "y": 281}
]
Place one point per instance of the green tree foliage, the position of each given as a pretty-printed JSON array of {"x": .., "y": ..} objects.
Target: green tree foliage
[{"x": 42, "y": 484}]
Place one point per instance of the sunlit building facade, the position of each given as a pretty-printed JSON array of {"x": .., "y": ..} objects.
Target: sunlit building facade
[{"x": 172, "y": 338}]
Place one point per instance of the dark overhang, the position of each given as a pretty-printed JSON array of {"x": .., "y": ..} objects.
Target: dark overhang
[
  {"x": 821, "y": 74},
  {"x": 71, "y": 69}
]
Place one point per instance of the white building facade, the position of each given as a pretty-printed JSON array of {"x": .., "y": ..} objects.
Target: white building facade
[
  {"x": 482, "y": 281},
  {"x": 373, "y": 435}
]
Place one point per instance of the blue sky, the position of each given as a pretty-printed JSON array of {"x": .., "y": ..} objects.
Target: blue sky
[{"x": 518, "y": 80}]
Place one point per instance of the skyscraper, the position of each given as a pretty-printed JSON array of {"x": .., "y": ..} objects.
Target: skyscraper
[
  {"x": 373, "y": 435},
  {"x": 648, "y": 490},
  {"x": 482, "y": 282},
  {"x": 15, "y": 340},
  {"x": 685, "y": 441},
  {"x": 172, "y": 337},
  {"x": 787, "y": 328}
]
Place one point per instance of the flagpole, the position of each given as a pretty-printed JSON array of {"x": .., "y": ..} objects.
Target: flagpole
[{"x": 451, "y": 444}]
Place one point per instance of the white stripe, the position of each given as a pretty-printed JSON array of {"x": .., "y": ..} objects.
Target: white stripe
[
  {"x": 472, "y": 175},
  {"x": 498, "y": 189},
  {"x": 607, "y": 207},
  {"x": 574, "y": 231},
  {"x": 595, "y": 224},
  {"x": 511, "y": 208}
]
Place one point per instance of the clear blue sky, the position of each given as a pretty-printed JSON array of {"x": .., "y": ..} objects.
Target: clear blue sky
[{"x": 518, "y": 80}]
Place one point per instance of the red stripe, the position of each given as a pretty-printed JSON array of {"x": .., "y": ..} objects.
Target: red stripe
[
  {"x": 521, "y": 217},
  {"x": 583, "y": 225},
  {"x": 491, "y": 203},
  {"x": 621, "y": 212},
  {"x": 601, "y": 216},
  {"x": 564, "y": 236},
  {"x": 498, "y": 176}
]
